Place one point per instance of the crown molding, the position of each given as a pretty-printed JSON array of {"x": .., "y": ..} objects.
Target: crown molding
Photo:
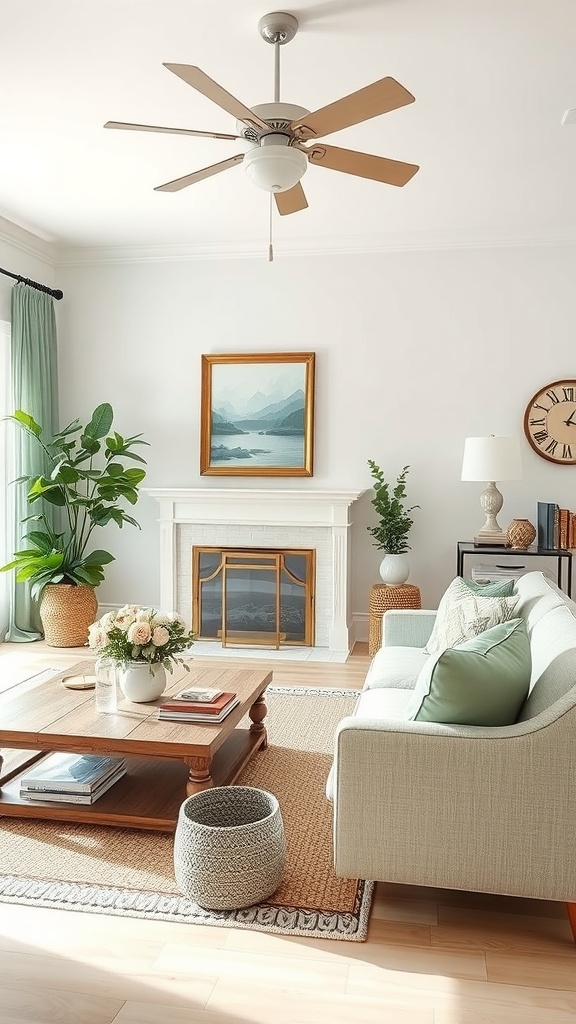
[
  {"x": 68, "y": 256},
  {"x": 358, "y": 245},
  {"x": 24, "y": 240}
]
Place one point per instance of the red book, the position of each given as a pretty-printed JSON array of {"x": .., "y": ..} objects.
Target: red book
[{"x": 199, "y": 707}]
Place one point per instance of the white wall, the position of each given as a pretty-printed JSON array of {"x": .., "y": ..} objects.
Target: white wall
[
  {"x": 415, "y": 351},
  {"x": 25, "y": 254}
]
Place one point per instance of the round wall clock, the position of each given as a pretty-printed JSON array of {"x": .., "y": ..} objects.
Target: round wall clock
[{"x": 550, "y": 422}]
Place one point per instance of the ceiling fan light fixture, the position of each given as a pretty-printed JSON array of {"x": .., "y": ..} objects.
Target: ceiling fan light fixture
[{"x": 275, "y": 168}]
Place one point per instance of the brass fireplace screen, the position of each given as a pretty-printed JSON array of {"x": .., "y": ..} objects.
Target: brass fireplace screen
[{"x": 261, "y": 596}]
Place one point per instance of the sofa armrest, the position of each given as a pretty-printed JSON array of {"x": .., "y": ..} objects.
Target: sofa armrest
[
  {"x": 407, "y": 628},
  {"x": 461, "y": 807}
]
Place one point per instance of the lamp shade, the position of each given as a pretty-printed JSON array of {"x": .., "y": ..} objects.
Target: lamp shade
[{"x": 491, "y": 458}]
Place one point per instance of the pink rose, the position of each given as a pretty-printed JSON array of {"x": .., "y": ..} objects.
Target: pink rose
[
  {"x": 139, "y": 633},
  {"x": 160, "y": 636}
]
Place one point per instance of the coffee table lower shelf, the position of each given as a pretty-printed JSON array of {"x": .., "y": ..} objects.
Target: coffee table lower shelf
[{"x": 148, "y": 796}]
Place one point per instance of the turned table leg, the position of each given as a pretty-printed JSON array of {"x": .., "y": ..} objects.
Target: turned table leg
[
  {"x": 257, "y": 715},
  {"x": 199, "y": 776}
]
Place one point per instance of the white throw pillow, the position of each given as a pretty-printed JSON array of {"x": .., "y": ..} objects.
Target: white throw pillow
[{"x": 463, "y": 613}]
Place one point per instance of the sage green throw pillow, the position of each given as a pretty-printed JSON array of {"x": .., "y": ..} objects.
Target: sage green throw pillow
[
  {"x": 483, "y": 681},
  {"x": 502, "y": 588},
  {"x": 464, "y": 612}
]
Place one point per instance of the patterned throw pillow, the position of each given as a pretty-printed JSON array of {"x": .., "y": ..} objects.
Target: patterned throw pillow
[{"x": 463, "y": 613}]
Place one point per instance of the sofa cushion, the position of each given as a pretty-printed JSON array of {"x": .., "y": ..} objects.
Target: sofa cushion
[
  {"x": 483, "y": 681},
  {"x": 397, "y": 667},
  {"x": 463, "y": 613},
  {"x": 501, "y": 588},
  {"x": 384, "y": 703},
  {"x": 537, "y": 596},
  {"x": 553, "y": 648}
]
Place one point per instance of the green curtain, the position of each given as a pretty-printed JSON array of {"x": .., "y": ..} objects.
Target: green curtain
[{"x": 35, "y": 390}]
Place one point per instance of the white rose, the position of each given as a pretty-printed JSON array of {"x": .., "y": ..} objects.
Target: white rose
[
  {"x": 124, "y": 619},
  {"x": 160, "y": 619},
  {"x": 97, "y": 636}
]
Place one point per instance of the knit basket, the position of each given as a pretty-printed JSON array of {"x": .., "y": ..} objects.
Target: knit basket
[
  {"x": 66, "y": 611},
  {"x": 229, "y": 847}
]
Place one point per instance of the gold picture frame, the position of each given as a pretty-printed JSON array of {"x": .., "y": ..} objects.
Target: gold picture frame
[{"x": 267, "y": 398}]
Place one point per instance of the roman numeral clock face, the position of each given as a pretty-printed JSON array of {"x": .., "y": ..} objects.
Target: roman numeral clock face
[{"x": 550, "y": 422}]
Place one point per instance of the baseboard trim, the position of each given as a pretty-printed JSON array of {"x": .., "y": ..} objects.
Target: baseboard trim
[{"x": 360, "y": 626}]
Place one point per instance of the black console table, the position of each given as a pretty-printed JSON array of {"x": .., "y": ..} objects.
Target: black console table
[{"x": 562, "y": 557}]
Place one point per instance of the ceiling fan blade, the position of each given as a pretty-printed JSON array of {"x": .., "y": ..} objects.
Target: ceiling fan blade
[
  {"x": 365, "y": 165},
  {"x": 205, "y": 172},
  {"x": 208, "y": 87},
  {"x": 291, "y": 201},
  {"x": 378, "y": 98},
  {"x": 167, "y": 131}
]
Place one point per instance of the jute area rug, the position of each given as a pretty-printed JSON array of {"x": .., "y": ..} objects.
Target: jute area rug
[{"x": 130, "y": 872}]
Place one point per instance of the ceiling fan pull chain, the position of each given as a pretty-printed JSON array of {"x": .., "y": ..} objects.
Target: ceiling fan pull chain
[{"x": 270, "y": 246}]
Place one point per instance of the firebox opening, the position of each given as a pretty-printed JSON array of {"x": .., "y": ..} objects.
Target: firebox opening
[{"x": 254, "y": 596}]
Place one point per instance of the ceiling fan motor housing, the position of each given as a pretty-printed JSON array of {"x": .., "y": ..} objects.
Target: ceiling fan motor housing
[{"x": 272, "y": 163}]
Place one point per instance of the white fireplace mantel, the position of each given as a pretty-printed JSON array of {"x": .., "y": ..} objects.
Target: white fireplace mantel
[{"x": 255, "y": 517}]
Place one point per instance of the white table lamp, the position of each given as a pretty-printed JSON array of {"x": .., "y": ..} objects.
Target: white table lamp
[{"x": 491, "y": 459}]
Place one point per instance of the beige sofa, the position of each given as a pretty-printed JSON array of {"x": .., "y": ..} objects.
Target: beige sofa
[{"x": 463, "y": 807}]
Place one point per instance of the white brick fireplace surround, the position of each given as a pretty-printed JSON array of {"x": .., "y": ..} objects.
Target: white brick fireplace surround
[{"x": 234, "y": 517}]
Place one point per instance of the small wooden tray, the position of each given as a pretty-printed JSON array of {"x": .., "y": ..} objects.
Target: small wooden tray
[{"x": 86, "y": 681}]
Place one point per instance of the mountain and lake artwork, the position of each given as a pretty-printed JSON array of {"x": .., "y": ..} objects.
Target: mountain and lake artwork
[{"x": 260, "y": 414}]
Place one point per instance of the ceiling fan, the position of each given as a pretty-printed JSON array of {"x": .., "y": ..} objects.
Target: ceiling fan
[{"x": 277, "y": 132}]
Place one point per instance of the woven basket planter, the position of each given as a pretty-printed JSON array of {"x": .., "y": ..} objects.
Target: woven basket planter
[
  {"x": 66, "y": 611},
  {"x": 229, "y": 847}
]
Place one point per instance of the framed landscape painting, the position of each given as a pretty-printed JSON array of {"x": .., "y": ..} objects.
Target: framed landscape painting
[{"x": 257, "y": 414}]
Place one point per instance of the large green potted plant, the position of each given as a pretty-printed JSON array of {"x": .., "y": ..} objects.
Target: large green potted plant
[
  {"x": 391, "y": 533},
  {"x": 84, "y": 478}
]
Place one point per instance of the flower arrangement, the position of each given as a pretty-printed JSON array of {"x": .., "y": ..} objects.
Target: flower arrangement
[{"x": 140, "y": 634}]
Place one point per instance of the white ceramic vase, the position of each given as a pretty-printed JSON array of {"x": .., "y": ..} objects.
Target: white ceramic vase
[
  {"x": 394, "y": 570},
  {"x": 141, "y": 682}
]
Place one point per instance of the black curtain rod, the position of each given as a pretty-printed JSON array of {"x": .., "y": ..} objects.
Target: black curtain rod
[{"x": 54, "y": 292}]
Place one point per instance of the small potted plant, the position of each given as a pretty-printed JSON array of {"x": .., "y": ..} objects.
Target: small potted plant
[
  {"x": 143, "y": 643},
  {"x": 391, "y": 533},
  {"x": 84, "y": 478}
]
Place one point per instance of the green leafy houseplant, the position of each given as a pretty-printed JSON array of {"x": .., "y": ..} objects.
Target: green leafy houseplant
[
  {"x": 391, "y": 534},
  {"x": 85, "y": 477}
]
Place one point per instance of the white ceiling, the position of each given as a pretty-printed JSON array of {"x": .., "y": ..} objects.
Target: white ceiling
[{"x": 492, "y": 79}]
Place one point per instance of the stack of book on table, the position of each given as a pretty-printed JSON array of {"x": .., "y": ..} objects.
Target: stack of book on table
[
  {"x": 72, "y": 778},
  {"x": 556, "y": 526},
  {"x": 197, "y": 704}
]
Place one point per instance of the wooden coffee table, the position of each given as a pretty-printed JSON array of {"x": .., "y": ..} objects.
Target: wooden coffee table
[{"x": 166, "y": 760}]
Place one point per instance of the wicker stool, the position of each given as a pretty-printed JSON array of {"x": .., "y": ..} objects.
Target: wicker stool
[
  {"x": 382, "y": 599},
  {"x": 229, "y": 847}
]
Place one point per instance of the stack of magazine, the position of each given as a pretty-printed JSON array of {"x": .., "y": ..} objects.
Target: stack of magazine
[
  {"x": 72, "y": 778},
  {"x": 198, "y": 705}
]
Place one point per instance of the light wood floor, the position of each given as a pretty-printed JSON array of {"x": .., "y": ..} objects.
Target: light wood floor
[{"x": 432, "y": 956}]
